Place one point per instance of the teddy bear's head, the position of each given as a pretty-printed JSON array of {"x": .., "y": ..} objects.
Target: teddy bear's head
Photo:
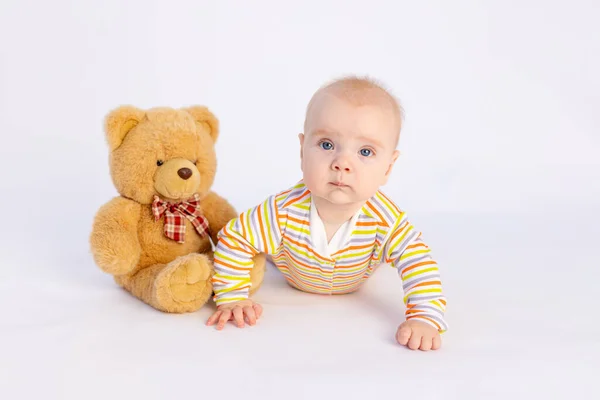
[{"x": 162, "y": 151}]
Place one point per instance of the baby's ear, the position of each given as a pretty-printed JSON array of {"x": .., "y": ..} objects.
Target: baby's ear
[
  {"x": 394, "y": 158},
  {"x": 205, "y": 118},
  {"x": 119, "y": 122}
]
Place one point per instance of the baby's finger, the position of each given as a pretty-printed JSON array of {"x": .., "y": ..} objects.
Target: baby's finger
[
  {"x": 225, "y": 315},
  {"x": 415, "y": 341},
  {"x": 403, "y": 335},
  {"x": 249, "y": 311},
  {"x": 426, "y": 343},
  {"x": 258, "y": 309},
  {"x": 238, "y": 316},
  {"x": 213, "y": 318},
  {"x": 437, "y": 342}
]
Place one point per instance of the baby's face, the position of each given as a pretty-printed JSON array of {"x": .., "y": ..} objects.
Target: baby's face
[{"x": 347, "y": 151}]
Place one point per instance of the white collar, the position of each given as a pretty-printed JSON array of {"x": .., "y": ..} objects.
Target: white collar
[{"x": 319, "y": 236}]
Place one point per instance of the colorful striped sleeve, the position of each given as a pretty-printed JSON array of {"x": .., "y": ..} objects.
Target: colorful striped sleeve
[
  {"x": 421, "y": 282},
  {"x": 257, "y": 230}
]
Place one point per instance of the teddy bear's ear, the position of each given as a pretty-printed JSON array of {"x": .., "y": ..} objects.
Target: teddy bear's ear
[
  {"x": 119, "y": 122},
  {"x": 203, "y": 116}
]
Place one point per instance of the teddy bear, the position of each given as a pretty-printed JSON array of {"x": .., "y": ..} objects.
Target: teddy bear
[{"x": 156, "y": 238}]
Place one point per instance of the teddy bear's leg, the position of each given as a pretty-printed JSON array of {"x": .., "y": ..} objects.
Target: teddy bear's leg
[
  {"x": 257, "y": 273},
  {"x": 184, "y": 284},
  {"x": 141, "y": 284},
  {"x": 181, "y": 286}
]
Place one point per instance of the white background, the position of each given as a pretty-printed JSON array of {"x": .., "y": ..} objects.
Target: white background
[{"x": 500, "y": 169}]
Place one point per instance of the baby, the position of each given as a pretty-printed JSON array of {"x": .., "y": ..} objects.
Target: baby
[{"x": 328, "y": 233}]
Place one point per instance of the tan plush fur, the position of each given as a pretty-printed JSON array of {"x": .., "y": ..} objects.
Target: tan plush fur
[{"x": 147, "y": 149}]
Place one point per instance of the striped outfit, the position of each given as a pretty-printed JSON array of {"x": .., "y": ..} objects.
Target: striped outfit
[{"x": 379, "y": 233}]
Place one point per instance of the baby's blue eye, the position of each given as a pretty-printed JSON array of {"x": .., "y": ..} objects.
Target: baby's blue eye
[
  {"x": 326, "y": 145},
  {"x": 365, "y": 152}
]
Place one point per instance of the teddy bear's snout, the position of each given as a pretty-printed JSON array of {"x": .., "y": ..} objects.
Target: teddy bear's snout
[
  {"x": 177, "y": 178},
  {"x": 184, "y": 173}
]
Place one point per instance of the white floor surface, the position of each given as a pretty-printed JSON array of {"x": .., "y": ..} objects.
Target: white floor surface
[{"x": 524, "y": 326}]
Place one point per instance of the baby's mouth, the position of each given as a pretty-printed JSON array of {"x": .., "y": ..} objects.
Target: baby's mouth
[{"x": 338, "y": 184}]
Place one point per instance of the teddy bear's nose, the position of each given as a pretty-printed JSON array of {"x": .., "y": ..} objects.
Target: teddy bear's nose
[{"x": 184, "y": 173}]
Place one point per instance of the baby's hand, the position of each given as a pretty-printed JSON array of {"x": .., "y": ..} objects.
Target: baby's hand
[
  {"x": 418, "y": 335},
  {"x": 236, "y": 311}
]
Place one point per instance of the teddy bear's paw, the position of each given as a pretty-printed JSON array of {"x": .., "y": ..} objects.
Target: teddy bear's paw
[
  {"x": 184, "y": 285},
  {"x": 115, "y": 265}
]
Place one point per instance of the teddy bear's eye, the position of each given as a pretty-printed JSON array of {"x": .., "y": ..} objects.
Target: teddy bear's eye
[{"x": 159, "y": 162}]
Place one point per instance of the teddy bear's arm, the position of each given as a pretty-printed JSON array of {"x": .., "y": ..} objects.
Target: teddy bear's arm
[
  {"x": 218, "y": 211},
  {"x": 114, "y": 241}
]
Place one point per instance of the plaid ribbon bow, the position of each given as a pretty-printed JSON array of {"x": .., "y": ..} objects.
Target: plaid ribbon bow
[{"x": 175, "y": 212}]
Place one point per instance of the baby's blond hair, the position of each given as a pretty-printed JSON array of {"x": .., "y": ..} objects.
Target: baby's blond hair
[{"x": 359, "y": 91}]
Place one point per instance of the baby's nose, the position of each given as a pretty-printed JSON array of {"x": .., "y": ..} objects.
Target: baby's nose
[{"x": 341, "y": 165}]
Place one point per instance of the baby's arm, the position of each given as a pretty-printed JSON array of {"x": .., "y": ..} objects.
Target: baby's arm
[
  {"x": 254, "y": 231},
  {"x": 421, "y": 282}
]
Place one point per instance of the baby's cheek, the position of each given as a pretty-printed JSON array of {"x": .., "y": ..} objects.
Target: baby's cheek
[{"x": 370, "y": 173}]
